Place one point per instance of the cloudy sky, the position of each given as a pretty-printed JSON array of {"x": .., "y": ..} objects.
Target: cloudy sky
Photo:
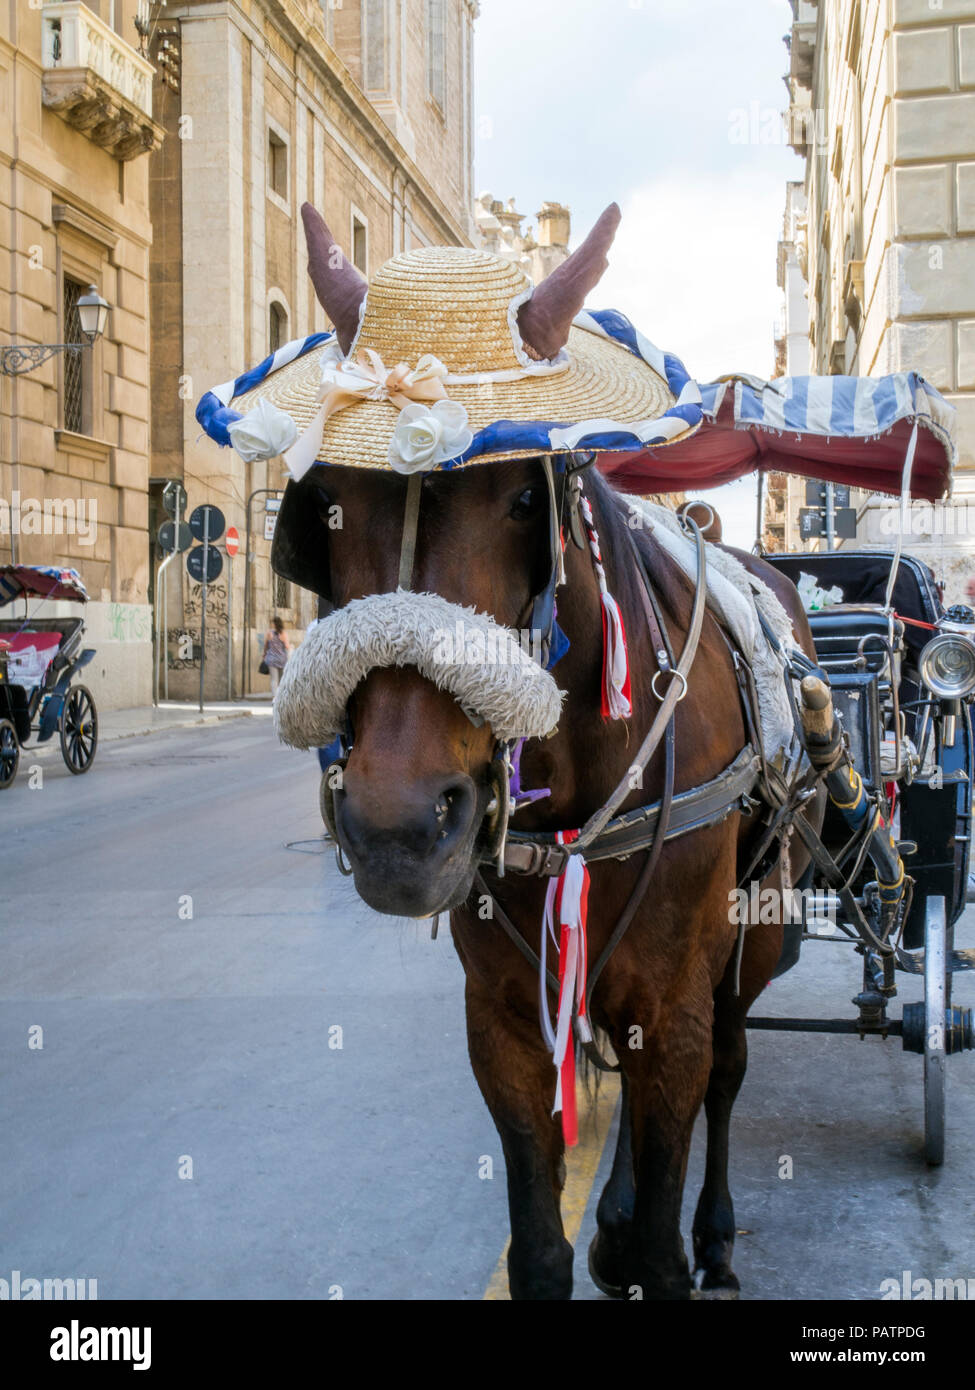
[{"x": 670, "y": 108}]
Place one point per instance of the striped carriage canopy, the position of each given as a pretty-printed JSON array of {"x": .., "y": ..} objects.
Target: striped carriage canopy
[
  {"x": 842, "y": 429},
  {"x": 40, "y": 581}
]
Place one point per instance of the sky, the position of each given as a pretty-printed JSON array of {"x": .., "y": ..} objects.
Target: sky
[{"x": 670, "y": 108}]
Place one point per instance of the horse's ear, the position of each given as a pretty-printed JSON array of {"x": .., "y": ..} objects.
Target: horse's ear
[
  {"x": 339, "y": 286},
  {"x": 546, "y": 318},
  {"x": 299, "y": 552}
]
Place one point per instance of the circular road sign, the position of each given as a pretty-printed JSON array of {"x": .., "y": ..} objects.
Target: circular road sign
[
  {"x": 232, "y": 540},
  {"x": 168, "y": 535},
  {"x": 214, "y": 563},
  {"x": 198, "y": 521}
]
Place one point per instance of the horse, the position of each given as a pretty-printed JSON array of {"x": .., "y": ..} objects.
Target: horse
[{"x": 412, "y": 821}]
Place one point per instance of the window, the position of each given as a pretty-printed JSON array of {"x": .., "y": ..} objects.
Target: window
[
  {"x": 374, "y": 45},
  {"x": 282, "y": 593},
  {"x": 436, "y": 51},
  {"x": 76, "y": 369},
  {"x": 277, "y": 327},
  {"x": 277, "y": 165},
  {"x": 360, "y": 244}
]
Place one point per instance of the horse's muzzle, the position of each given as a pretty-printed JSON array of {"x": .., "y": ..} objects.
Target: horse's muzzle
[{"x": 424, "y": 863}]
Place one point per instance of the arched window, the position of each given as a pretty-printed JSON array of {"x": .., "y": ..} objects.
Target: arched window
[{"x": 277, "y": 326}]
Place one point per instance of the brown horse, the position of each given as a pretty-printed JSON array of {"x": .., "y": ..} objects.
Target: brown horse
[{"x": 411, "y": 822}]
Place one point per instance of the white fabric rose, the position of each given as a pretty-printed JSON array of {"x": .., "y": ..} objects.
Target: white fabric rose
[
  {"x": 263, "y": 432},
  {"x": 426, "y": 436}
]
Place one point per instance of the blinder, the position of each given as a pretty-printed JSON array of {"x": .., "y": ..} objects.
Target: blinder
[{"x": 300, "y": 552}]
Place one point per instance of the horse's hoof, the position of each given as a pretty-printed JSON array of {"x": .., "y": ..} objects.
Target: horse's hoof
[
  {"x": 718, "y": 1284},
  {"x": 602, "y": 1282}
]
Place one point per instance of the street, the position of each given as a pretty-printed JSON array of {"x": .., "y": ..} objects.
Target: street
[{"x": 250, "y": 1086}]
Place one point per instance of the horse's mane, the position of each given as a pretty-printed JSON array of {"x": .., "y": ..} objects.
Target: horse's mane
[{"x": 612, "y": 516}]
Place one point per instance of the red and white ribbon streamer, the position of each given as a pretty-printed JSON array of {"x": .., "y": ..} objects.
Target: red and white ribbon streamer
[
  {"x": 566, "y": 902},
  {"x": 616, "y": 700}
]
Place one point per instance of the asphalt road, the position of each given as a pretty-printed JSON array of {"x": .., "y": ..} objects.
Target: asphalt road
[{"x": 190, "y": 1128}]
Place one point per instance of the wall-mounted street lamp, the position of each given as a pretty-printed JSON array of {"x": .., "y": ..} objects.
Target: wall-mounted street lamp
[{"x": 16, "y": 359}]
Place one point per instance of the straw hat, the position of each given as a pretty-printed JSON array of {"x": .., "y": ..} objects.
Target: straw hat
[{"x": 451, "y": 357}]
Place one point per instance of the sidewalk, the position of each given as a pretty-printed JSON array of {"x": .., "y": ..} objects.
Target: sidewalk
[{"x": 154, "y": 719}]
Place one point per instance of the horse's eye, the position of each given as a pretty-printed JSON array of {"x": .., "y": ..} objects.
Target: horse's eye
[{"x": 528, "y": 504}]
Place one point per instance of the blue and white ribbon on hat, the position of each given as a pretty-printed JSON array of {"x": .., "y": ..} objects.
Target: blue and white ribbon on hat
[
  {"x": 543, "y": 436},
  {"x": 213, "y": 411},
  {"x": 611, "y": 434}
]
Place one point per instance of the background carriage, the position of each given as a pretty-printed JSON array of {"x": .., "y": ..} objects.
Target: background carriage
[
  {"x": 901, "y": 670},
  {"x": 39, "y": 659}
]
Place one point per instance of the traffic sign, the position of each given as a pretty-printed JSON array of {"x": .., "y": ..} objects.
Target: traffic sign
[
  {"x": 845, "y": 523},
  {"x": 810, "y": 522},
  {"x": 232, "y": 540},
  {"x": 270, "y": 521},
  {"x": 169, "y": 539},
  {"x": 198, "y": 519},
  {"x": 174, "y": 498},
  {"x": 272, "y": 504},
  {"x": 214, "y": 563}
]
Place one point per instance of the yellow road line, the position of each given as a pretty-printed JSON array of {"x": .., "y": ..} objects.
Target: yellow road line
[{"x": 581, "y": 1165}]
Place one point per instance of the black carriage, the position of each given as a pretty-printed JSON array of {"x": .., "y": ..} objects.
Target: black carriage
[
  {"x": 901, "y": 672},
  {"x": 39, "y": 659}
]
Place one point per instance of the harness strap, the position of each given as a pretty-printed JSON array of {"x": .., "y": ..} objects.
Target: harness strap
[
  {"x": 698, "y": 808},
  {"x": 675, "y": 692},
  {"x": 411, "y": 517},
  {"x": 637, "y": 895},
  {"x": 512, "y": 932}
]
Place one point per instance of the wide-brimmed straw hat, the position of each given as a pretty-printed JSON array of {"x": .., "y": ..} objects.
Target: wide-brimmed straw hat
[{"x": 451, "y": 357}]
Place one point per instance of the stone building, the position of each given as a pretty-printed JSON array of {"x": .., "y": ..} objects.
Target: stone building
[
  {"x": 499, "y": 231},
  {"x": 363, "y": 108},
  {"x": 75, "y": 141},
  {"x": 883, "y": 111}
]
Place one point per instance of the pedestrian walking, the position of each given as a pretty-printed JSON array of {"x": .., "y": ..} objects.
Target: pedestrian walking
[{"x": 277, "y": 649}]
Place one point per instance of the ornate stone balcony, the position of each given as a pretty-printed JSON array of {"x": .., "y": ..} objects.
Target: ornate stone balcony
[{"x": 96, "y": 82}]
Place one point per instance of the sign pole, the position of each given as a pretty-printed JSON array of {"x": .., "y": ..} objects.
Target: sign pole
[
  {"x": 230, "y": 626},
  {"x": 203, "y": 613},
  {"x": 830, "y": 519}
]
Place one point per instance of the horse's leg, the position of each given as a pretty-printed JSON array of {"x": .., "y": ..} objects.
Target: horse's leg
[
  {"x": 667, "y": 1081},
  {"x": 714, "y": 1220},
  {"x": 614, "y": 1214},
  {"x": 517, "y": 1080}
]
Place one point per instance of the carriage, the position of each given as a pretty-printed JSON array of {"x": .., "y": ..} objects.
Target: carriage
[
  {"x": 902, "y": 681},
  {"x": 39, "y": 659},
  {"x": 901, "y": 671}
]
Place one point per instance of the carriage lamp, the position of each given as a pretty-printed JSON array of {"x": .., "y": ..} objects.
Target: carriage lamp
[
  {"x": 18, "y": 358},
  {"x": 948, "y": 665}
]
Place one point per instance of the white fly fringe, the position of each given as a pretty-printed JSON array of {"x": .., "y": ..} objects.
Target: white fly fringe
[{"x": 459, "y": 649}]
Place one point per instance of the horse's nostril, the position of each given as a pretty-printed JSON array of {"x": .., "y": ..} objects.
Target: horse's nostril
[{"x": 452, "y": 810}]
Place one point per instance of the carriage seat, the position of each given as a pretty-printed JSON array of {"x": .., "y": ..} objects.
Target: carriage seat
[
  {"x": 838, "y": 631},
  {"x": 29, "y": 656}
]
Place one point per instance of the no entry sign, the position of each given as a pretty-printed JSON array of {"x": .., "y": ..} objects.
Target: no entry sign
[{"x": 232, "y": 540}]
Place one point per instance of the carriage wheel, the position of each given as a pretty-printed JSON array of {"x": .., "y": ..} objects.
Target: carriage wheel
[
  {"x": 79, "y": 730},
  {"x": 9, "y": 753},
  {"x": 935, "y": 1004}
]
